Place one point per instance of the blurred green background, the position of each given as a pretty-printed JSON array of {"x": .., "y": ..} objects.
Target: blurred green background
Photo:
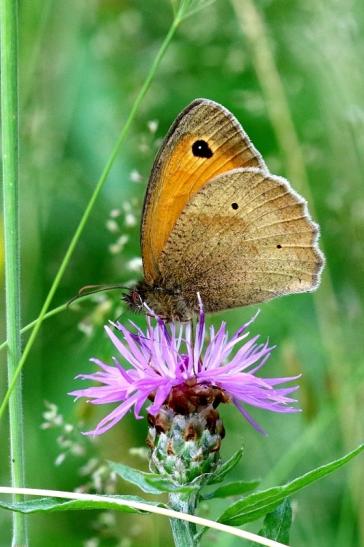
[{"x": 292, "y": 73}]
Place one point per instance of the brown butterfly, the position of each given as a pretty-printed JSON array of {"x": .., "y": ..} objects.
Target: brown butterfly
[{"x": 216, "y": 222}]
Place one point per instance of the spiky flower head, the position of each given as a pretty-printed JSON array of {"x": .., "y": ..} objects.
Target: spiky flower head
[{"x": 175, "y": 368}]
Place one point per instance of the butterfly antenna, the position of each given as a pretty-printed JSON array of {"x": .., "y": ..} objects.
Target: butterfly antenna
[{"x": 94, "y": 289}]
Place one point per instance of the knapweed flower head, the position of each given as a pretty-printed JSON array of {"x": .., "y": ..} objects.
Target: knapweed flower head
[{"x": 174, "y": 365}]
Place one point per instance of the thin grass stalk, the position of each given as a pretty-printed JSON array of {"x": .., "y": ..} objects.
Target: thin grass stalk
[
  {"x": 154, "y": 509},
  {"x": 27, "y": 327},
  {"x": 48, "y": 315},
  {"x": 89, "y": 208},
  {"x": 9, "y": 132}
]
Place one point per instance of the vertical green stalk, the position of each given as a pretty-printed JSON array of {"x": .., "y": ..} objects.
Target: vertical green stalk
[
  {"x": 9, "y": 129},
  {"x": 184, "y": 532}
]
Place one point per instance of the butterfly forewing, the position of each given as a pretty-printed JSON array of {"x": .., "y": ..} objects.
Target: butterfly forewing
[
  {"x": 205, "y": 141},
  {"x": 245, "y": 237}
]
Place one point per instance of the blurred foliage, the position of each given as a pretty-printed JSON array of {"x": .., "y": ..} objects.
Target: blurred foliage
[{"x": 81, "y": 65}]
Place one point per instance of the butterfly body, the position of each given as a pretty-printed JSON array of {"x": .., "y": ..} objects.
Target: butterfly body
[
  {"x": 217, "y": 223},
  {"x": 169, "y": 302}
]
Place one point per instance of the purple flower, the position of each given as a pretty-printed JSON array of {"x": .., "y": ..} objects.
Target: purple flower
[{"x": 165, "y": 357}]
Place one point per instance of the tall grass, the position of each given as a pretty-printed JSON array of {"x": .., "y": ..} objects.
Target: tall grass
[{"x": 9, "y": 133}]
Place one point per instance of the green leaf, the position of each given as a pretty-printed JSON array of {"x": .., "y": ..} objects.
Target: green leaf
[
  {"x": 258, "y": 504},
  {"x": 133, "y": 476},
  {"x": 149, "y": 482},
  {"x": 277, "y": 524},
  {"x": 231, "y": 489},
  {"x": 50, "y": 505},
  {"x": 226, "y": 467},
  {"x": 165, "y": 485}
]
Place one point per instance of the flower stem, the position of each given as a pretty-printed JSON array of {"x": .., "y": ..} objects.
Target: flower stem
[
  {"x": 9, "y": 131},
  {"x": 183, "y": 532},
  {"x": 100, "y": 184}
]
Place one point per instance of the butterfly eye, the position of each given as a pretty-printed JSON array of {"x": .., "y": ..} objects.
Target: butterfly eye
[
  {"x": 201, "y": 149},
  {"x": 136, "y": 299},
  {"x": 235, "y": 206},
  {"x": 279, "y": 246}
]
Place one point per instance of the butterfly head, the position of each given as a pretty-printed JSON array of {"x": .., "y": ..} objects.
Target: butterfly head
[{"x": 135, "y": 298}]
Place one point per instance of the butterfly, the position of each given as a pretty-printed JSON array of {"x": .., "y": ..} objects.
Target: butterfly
[{"x": 215, "y": 222}]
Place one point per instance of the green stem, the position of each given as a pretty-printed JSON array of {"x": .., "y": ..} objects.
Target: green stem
[
  {"x": 51, "y": 313},
  {"x": 32, "y": 323},
  {"x": 9, "y": 131},
  {"x": 183, "y": 532},
  {"x": 90, "y": 205}
]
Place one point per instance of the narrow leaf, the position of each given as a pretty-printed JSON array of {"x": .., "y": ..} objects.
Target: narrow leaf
[
  {"x": 226, "y": 467},
  {"x": 231, "y": 489},
  {"x": 134, "y": 477},
  {"x": 258, "y": 504},
  {"x": 277, "y": 524},
  {"x": 148, "y": 482},
  {"x": 50, "y": 505},
  {"x": 165, "y": 485}
]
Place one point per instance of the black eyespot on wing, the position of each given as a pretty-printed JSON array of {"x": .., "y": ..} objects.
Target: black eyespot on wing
[
  {"x": 201, "y": 149},
  {"x": 235, "y": 206},
  {"x": 279, "y": 246}
]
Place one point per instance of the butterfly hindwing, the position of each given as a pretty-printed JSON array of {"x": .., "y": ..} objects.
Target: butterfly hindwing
[{"x": 245, "y": 237}]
